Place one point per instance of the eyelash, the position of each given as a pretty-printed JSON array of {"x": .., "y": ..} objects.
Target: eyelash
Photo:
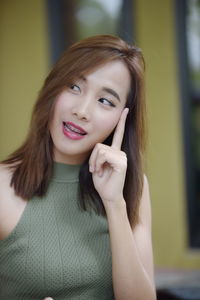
[
  {"x": 109, "y": 102},
  {"x": 100, "y": 100},
  {"x": 75, "y": 86}
]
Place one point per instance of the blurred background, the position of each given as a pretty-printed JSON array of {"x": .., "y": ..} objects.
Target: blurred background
[{"x": 32, "y": 36}]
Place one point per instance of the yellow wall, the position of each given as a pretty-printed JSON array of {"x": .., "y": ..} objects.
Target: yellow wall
[
  {"x": 155, "y": 27},
  {"x": 24, "y": 64}
]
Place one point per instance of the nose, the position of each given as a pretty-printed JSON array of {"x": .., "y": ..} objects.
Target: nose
[{"x": 82, "y": 110}]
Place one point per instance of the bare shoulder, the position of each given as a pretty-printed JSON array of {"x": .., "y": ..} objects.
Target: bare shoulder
[
  {"x": 5, "y": 178},
  {"x": 11, "y": 206},
  {"x": 6, "y": 191}
]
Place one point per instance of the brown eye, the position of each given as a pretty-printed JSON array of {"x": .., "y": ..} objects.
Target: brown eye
[
  {"x": 75, "y": 88},
  {"x": 106, "y": 102}
]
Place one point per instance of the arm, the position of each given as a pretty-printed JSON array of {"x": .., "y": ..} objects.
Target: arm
[{"x": 132, "y": 258}]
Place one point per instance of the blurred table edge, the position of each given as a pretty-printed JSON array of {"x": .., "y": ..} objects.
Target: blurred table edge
[
  {"x": 168, "y": 278},
  {"x": 177, "y": 284}
]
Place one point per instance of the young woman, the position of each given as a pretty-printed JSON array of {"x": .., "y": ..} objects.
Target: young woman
[{"x": 75, "y": 219}]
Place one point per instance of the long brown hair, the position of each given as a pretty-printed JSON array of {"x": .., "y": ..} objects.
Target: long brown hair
[{"x": 32, "y": 163}]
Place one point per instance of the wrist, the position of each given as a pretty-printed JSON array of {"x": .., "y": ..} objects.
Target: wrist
[
  {"x": 117, "y": 206},
  {"x": 117, "y": 214}
]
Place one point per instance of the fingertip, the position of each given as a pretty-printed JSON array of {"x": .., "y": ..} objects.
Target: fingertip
[
  {"x": 126, "y": 110},
  {"x": 124, "y": 113}
]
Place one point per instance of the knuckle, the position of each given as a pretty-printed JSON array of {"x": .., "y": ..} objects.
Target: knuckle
[
  {"x": 124, "y": 166},
  {"x": 122, "y": 154},
  {"x": 124, "y": 159},
  {"x": 102, "y": 152},
  {"x": 98, "y": 145}
]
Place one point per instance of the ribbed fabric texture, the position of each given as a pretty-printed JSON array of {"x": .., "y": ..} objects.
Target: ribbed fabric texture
[{"x": 56, "y": 249}]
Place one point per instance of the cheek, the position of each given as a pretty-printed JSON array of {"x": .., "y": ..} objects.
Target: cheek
[
  {"x": 63, "y": 102},
  {"x": 61, "y": 107},
  {"x": 107, "y": 125}
]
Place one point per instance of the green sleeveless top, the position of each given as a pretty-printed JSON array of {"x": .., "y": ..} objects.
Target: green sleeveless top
[{"x": 57, "y": 249}]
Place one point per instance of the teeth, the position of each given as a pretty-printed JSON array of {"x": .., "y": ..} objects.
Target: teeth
[{"x": 71, "y": 128}]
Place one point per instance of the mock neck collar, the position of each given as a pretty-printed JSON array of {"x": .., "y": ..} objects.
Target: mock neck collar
[{"x": 64, "y": 172}]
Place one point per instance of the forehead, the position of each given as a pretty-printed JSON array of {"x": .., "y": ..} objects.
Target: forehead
[{"x": 114, "y": 74}]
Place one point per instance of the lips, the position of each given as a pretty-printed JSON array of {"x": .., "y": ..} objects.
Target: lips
[
  {"x": 73, "y": 131},
  {"x": 74, "y": 128}
]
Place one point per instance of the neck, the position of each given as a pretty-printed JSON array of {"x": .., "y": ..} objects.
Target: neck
[{"x": 70, "y": 159}]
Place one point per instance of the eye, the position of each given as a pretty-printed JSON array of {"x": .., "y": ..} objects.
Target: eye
[
  {"x": 75, "y": 88},
  {"x": 106, "y": 102}
]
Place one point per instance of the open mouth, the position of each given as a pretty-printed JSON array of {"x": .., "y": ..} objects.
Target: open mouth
[{"x": 70, "y": 127}]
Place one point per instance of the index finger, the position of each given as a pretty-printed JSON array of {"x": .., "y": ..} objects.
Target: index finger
[{"x": 119, "y": 131}]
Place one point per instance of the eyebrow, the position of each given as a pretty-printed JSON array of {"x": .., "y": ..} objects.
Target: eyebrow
[
  {"x": 112, "y": 92},
  {"x": 105, "y": 89}
]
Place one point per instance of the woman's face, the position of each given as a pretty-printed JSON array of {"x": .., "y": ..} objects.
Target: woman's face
[{"x": 86, "y": 113}]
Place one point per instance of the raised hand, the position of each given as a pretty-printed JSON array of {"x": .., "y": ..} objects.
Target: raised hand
[{"x": 108, "y": 165}]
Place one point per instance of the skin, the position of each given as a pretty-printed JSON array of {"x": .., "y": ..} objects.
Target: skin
[
  {"x": 89, "y": 104},
  {"x": 132, "y": 258},
  {"x": 131, "y": 248}
]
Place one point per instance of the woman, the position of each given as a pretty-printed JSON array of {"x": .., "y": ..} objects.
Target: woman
[{"x": 74, "y": 206}]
